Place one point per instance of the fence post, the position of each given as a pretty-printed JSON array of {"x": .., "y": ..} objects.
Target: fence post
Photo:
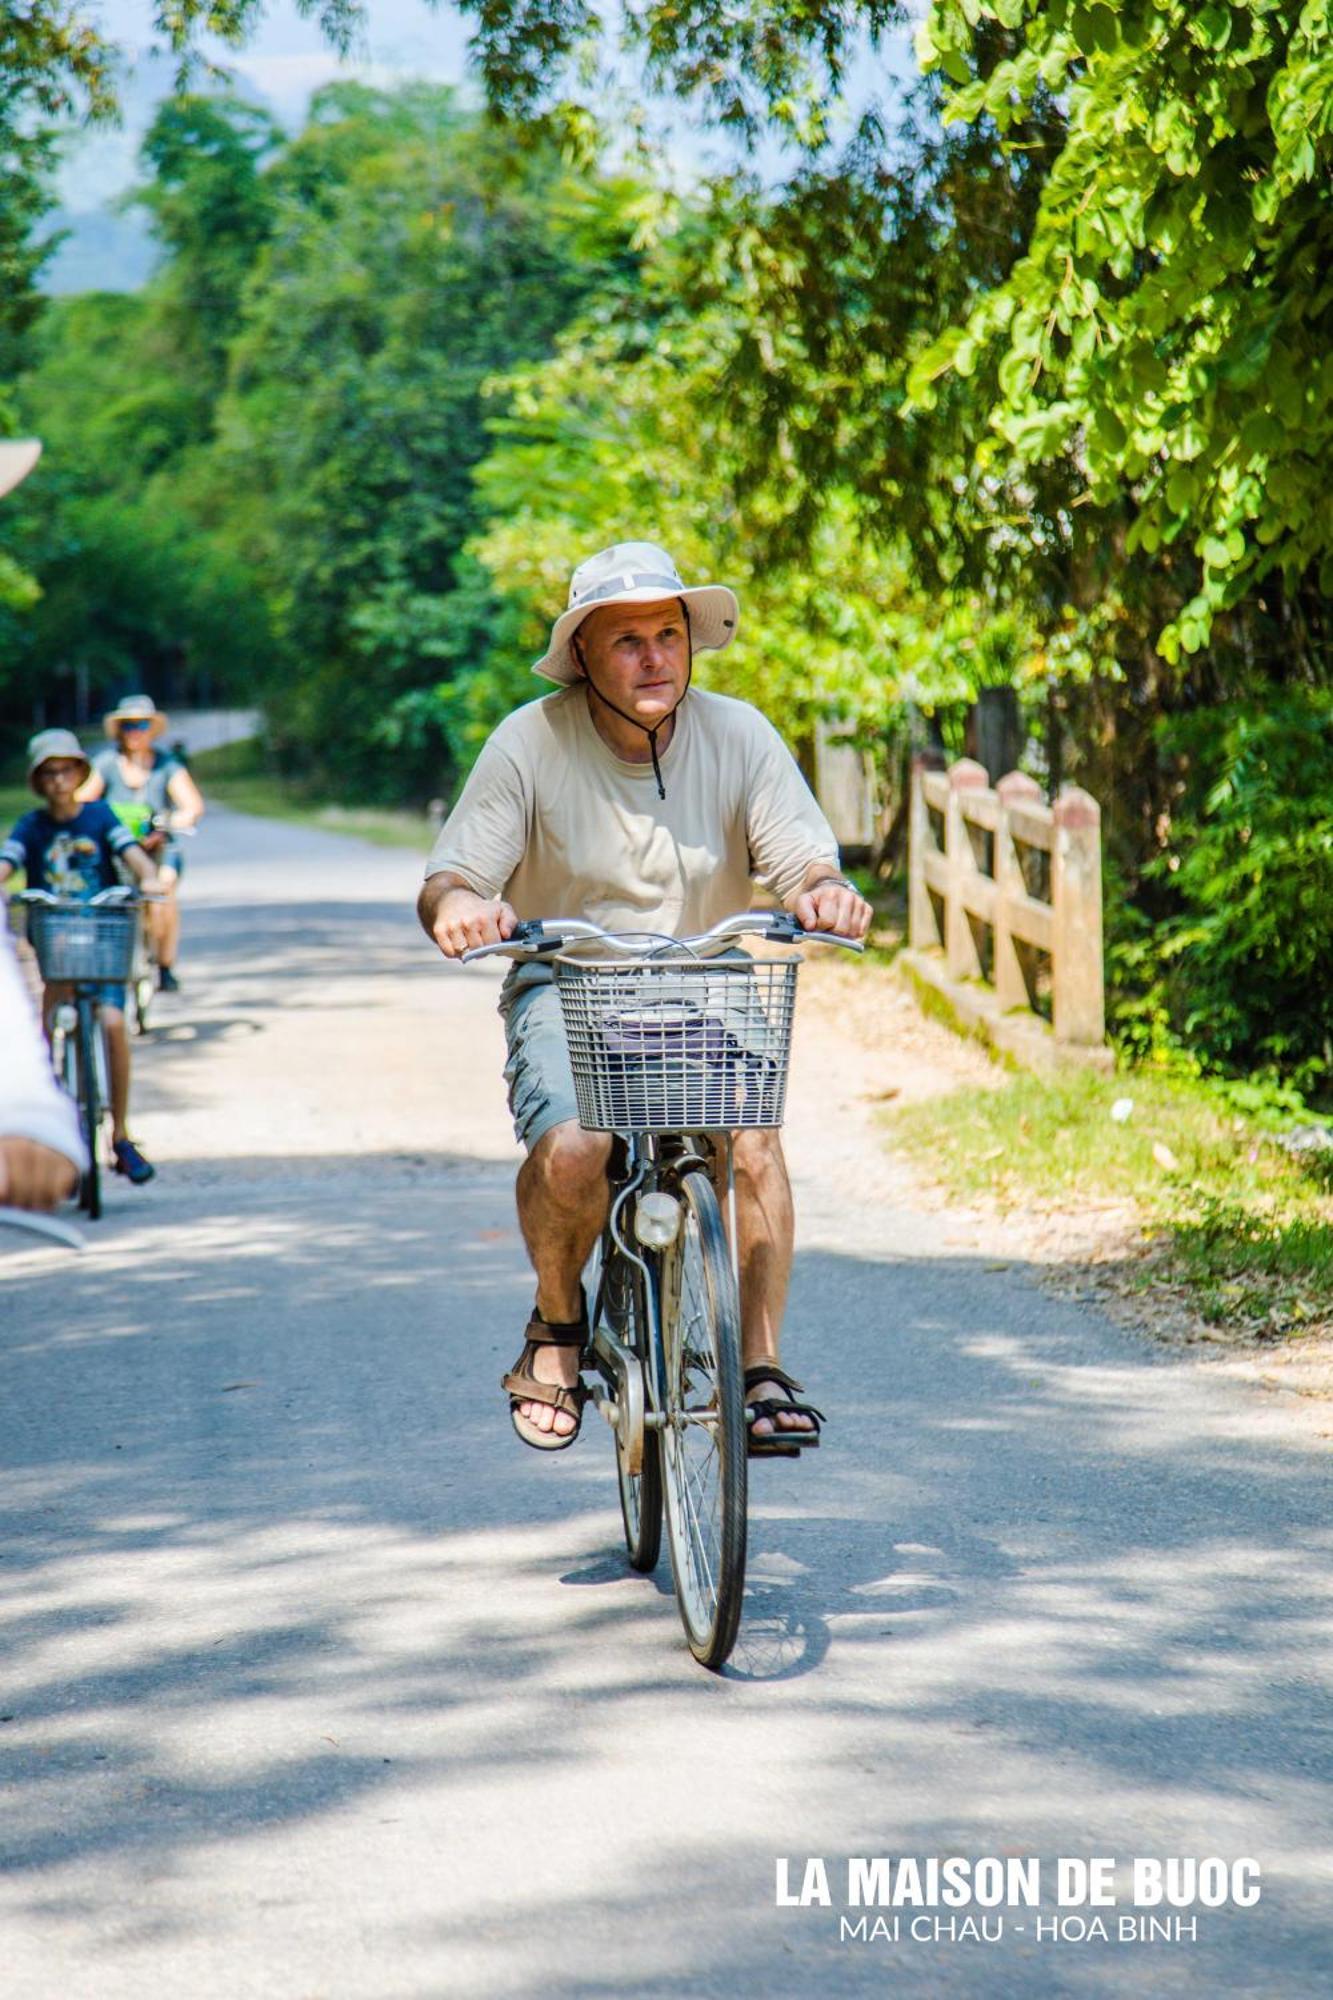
[
  {"x": 1011, "y": 986},
  {"x": 960, "y": 946},
  {"x": 922, "y": 931},
  {"x": 1078, "y": 997}
]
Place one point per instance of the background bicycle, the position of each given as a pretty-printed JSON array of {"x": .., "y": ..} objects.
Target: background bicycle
[
  {"x": 146, "y": 970},
  {"x": 86, "y": 946},
  {"x": 673, "y": 1049}
]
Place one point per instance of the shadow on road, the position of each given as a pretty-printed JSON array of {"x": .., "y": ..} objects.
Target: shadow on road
[
  {"x": 274, "y": 1470},
  {"x": 272, "y": 1558}
]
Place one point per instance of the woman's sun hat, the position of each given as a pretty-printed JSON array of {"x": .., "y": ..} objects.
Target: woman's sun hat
[
  {"x": 50, "y": 743},
  {"x": 636, "y": 573},
  {"x": 135, "y": 708},
  {"x": 17, "y": 458}
]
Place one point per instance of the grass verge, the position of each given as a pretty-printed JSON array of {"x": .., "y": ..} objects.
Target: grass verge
[
  {"x": 237, "y": 776},
  {"x": 1243, "y": 1226}
]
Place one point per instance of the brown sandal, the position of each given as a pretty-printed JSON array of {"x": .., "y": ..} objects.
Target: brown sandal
[
  {"x": 522, "y": 1385},
  {"x": 777, "y": 1443}
]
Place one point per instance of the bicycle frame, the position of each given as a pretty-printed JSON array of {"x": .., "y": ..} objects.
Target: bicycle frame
[{"x": 638, "y": 1396}]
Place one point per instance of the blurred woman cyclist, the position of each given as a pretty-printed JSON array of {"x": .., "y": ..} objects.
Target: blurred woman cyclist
[{"x": 141, "y": 783}]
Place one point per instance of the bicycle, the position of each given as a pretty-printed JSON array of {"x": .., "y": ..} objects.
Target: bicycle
[
  {"x": 49, "y": 1226},
  {"x": 673, "y": 1050},
  {"x": 144, "y": 970},
  {"x": 86, "y": 945}
]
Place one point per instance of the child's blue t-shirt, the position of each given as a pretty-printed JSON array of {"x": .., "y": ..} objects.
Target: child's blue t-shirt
[{"x": 71, "y": 857}]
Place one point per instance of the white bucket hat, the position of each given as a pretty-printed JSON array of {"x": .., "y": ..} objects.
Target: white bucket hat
[
  {"x": 636, "y": 573},
  {"x": 17, "y": 458}
]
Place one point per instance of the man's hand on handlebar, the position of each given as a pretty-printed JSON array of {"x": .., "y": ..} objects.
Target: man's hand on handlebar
[
  {"x": 833, "y": 905},
  {"x": 463, "y": 920},
  {"x": 34, "y": 1176}
]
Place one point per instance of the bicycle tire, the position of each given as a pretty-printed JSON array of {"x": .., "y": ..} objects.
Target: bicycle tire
[
  {"x": 145, "y": 972},
  {"x": 704, "y": 1488},
  {"x": 90, "y": 1110},
  {"x": 641, "y": 1491}
]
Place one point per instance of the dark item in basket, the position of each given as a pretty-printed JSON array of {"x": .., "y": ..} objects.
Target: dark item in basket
[{"x": 682, "y": 1071}]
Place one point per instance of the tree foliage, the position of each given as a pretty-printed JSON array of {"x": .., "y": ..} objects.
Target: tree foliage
[
  {"x": 1171, "y": 318},
  {"x": 1027, "y": 386}
]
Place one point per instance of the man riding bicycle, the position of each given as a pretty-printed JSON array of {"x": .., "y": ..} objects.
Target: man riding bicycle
[{"x": 642, "y": 804}]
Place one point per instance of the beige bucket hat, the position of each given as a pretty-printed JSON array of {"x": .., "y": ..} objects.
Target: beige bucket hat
[
  {"x": 135, "y": 708},
  {"x": 636, "y": 573},
  {"x": 50, "y": 743},
  {"x": 17, "y": 458}
]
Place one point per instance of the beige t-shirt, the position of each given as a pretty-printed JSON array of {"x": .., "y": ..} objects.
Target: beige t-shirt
[{"x": 556, "y": 823}]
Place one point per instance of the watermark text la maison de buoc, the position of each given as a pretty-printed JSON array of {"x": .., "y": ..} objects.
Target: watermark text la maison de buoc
[{"x": 1070, "y": 1899}]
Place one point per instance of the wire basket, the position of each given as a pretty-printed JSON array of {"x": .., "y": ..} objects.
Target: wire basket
[
  {"x": 678, "y": 1047},
  {"x": 78, "y": 941}
]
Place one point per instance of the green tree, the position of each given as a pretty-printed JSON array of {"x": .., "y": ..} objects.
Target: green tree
[
  {"x": 1171, "y": 319},
  {"x": 413, "y": 254}
]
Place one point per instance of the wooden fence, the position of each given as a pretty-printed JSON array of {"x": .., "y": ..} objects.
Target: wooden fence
[{"x": 1007, "y": 890}]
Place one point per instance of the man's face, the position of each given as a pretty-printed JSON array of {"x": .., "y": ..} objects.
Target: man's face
[
  {"x": 58, "y": 779},
  {"x": 639, "y": 656}
]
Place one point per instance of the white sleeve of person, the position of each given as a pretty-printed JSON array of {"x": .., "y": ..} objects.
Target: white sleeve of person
[{"x": 32, "y": 1106}]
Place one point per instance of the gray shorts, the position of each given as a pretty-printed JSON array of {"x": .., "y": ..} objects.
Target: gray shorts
[{"x": 541, "y": 1083}]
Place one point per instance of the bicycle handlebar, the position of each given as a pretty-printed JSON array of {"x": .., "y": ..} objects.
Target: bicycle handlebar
[
  {"x": 105, "y": 899},
  {"x": 41, "y": 1225},
  {"x": 536, "y": 938}
]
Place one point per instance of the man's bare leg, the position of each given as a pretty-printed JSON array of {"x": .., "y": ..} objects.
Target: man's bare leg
[
  {"x": 562, "y": 1203},
  {"x": 765, "y": 1224}
]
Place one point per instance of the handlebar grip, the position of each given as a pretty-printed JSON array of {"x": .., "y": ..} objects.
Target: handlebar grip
[{"x": 786, "y": 930}]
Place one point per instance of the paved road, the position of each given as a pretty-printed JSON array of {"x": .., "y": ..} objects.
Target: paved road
[{"x": 316, "y": 1684}]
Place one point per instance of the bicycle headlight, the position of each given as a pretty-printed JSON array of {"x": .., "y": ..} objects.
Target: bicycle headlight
[{"x": 656, "y": 1220}]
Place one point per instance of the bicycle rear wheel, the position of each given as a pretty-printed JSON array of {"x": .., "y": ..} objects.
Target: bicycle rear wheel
[
  {"x": 703, "y": 1438},
  {"x": 640, "y": 1492},
  {"x": 90, "y": 1107}
]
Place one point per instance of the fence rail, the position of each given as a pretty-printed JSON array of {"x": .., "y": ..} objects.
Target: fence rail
[{"x": 1007, "y": 890}]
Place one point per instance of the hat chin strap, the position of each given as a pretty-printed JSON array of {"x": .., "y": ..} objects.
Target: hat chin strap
[{"x": 649, "y": 729}]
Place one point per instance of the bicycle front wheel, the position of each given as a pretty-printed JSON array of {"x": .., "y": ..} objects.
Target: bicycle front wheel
[
  {"x": 90, "y": 1107},
  {"x": 144, "y": 977},
  {"x": 703, "y": 1435}
]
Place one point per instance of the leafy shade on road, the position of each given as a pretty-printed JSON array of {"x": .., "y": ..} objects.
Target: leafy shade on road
[{"x": 1172, "y": 315}]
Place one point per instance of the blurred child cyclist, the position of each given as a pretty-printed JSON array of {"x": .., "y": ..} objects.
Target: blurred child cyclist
[
  {"x": 141, "y": 783},
  {"x": 70, "y": 848}
]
